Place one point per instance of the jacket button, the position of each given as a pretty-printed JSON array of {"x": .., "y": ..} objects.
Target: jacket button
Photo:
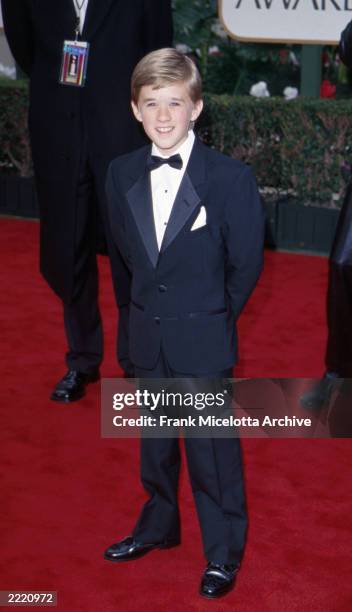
[
  {"x": 162, "y": 288},
  {"x": 157, "y": 320}
]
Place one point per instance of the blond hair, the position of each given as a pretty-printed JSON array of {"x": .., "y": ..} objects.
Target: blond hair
[{"x": 166, "y": 67}]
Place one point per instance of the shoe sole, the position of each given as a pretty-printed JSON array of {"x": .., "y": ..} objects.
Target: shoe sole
[
  {"x": 66, "y": 401},
  {"x": 145, "y": 552},
  {"x": 217, "y": 596}
]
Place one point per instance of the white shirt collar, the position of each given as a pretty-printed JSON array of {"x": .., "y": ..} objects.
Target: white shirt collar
[{"x": 184, "y": 150}]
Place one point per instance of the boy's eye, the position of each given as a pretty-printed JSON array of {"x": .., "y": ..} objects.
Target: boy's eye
[
  {"x": 174, "y": 104},
  {"x": 150, "y": 104}
]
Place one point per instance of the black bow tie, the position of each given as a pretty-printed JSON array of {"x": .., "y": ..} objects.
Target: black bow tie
[{"x": 154, "y": 162}]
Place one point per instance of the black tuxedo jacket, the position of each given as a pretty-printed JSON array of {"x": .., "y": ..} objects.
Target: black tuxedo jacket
[
  {"x": 345, "y": 45},
  {"x": 341, "y": 252},
  {"x": 120, "y": 33},
  {"x": 187, "y": 297}
]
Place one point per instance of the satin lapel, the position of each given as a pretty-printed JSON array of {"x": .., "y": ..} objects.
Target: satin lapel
[
  {"x": 96, "y": 11},
  {"x": 139, "y": 198},
  {"x": 186, "y": 201},
  {"x": 187, "y": 198}
]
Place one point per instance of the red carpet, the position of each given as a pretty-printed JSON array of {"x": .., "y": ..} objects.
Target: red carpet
[{"x": 67, "y": 493}]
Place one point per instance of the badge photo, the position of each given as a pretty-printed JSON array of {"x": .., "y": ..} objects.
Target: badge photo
[{"x": 74, "y": 63}]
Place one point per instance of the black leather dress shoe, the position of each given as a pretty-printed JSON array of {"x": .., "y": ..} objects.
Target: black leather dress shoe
[
  {"x": 73, "y": 385},
  {"x": 218, "y": 580},
  {"x": 320, "y": 394},
  {"x": 128, "y": 549}
]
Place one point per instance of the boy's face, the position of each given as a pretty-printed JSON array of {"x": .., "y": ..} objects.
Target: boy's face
[{"x": 166, "y": 114}]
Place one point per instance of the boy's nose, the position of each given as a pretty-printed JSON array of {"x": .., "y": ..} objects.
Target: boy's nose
[{"x": 163, "y": 114}]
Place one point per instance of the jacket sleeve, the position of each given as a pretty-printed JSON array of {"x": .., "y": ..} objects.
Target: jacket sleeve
[
  {"x": 157, "y": 27},
  {"x": 244, "y": 239},
  {"x": 19, "y": 31},
  {"x": 116, "y": 217},
  {"x": 345, "y": 46}
]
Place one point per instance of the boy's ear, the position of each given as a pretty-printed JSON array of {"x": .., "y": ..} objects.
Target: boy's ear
[
  {"x": 197, "y": 109},
  {"x": 136, "y": 112}
]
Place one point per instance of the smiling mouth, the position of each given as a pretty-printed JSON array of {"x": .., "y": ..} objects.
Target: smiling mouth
[{"x": 164, "y": 130}]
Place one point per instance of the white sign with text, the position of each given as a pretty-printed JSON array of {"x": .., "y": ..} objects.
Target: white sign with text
[{"x": 301, "y": 21}]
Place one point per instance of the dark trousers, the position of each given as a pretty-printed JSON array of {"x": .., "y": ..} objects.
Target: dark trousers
[
  {"x": 81, "y": 315},
  {"x": 339, "y": 297},
  {"x": 216, "y": 476},
  {"x": 339, "y": 312}
]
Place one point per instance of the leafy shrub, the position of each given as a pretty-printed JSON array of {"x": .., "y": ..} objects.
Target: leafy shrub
[
  {"x": 301, "y": 148},
  {"x": 15, "y": 155}
]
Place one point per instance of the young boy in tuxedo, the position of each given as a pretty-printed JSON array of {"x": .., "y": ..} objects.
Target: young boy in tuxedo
[{"x": 189, "y": 224}]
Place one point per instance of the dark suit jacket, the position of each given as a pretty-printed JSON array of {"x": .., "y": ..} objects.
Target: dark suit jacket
[
  {"x": 341, "y": 252},
  {"x": 188, "y": 297},
  {"x": 345, "y": 46},
  {"x": 120, "y": 33}
]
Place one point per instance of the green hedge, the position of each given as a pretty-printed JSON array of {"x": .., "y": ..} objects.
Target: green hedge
[
  {"x": 302, "y": 148},
  {"x": 15, "y": 155}
]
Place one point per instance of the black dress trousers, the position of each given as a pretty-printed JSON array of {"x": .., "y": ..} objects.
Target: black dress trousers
[
  {"x": 339, "y": 297},
  {"x": 216, "y": 476},
  {"x": 82, "y": 319}
]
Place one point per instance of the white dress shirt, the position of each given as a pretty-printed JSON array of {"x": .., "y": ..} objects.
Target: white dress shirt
[
  {"x": 165, "y": 183},
  {"x": 81, "y": 12}
]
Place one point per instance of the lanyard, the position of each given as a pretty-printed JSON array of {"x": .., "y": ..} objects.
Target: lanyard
[{"x": 78, "y": 21}]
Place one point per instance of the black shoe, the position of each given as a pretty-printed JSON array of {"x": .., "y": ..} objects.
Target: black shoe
[
  {"x": 73, "y": 385},
  {"x": 218, "y": 580},
  {"x": 321, "y": 392},
  {"x": 128, "y": 549}
]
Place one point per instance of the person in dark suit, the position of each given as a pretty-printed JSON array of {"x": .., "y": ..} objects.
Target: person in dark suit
[
  {"x": 75, "y": 131},
  {"x": 189, "y": 224},
  {"x": 338, "y": 358}
]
